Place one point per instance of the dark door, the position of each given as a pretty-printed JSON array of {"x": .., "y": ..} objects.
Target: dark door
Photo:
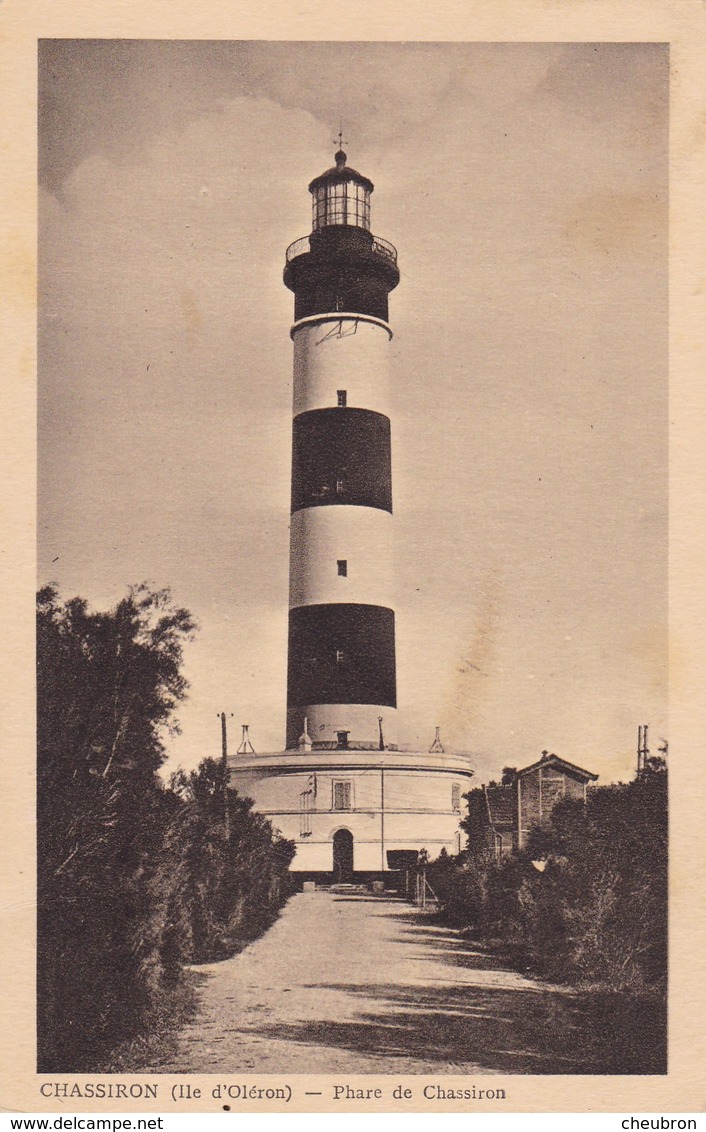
[{"x": 343, "y": 856}]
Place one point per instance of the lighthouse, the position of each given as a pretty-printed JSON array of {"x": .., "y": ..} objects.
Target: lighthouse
[
  {"x": 341, "y": 682},
  {"x": 358, "y": 805}
]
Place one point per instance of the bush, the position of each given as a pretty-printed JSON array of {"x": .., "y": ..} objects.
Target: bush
[
  {"x": 234, "y": 867},
  {"x": 595, "y": 915}
]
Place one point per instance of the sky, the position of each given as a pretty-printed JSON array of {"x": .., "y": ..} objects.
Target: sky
[{"x": 525, "y": 188}]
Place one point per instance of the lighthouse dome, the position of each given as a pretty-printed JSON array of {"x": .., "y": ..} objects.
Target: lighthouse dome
[{"x": 341, "y": 172}]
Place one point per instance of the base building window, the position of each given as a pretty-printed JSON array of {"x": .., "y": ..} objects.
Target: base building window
[
  {"x": 305, "y": 807},
  {"x": 342, "y": 796}
]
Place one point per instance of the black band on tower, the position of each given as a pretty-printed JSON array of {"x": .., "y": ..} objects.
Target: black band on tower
[
  {"x": 341, "y": 654},
  {"x": 341, "y": 456}
]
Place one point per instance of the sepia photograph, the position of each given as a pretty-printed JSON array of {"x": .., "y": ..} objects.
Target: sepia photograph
[{"x": 352, "y": 731}]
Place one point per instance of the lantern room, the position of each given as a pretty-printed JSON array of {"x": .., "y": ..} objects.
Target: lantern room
[
  {"x": 341, "y": 265},
  {"x": 341, "y": 196}
]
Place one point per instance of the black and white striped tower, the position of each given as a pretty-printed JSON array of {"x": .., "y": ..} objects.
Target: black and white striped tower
[{"x": 341, "y": 685}]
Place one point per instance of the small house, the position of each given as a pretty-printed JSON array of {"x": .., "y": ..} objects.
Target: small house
[
  {"x": 540, "y": 786},
  {"x": 501, "y": 818}
]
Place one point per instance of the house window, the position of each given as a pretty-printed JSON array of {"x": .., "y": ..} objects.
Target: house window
[
  {"x": 342, "y": 396},
  {"x": 340, "y": 488},
  {"x": 343, "y": 567},
  {"x": 342, "y": 795},
  {"x": 456, "y": 798}
]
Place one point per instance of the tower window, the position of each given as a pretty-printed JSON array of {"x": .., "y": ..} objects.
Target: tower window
[
  {"x": 339, "y": 660},
  {"x": 343, "y": 567},
  {"x": 342, "y": 395},
  {"x": 456, "y": 798}
]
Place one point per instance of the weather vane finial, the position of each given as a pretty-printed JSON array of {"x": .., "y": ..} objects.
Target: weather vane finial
[{"x": 340, "y": 155}]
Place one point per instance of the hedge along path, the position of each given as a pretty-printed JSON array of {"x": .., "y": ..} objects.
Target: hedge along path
[{"x": 366, "y": 984}]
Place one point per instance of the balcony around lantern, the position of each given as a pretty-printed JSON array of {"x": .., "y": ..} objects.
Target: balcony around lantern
[{"x": 302, "y": 246}]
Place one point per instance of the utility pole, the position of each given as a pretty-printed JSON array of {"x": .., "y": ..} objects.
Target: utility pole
[
  {"x": 642, "y": 748},
  {"x": 382, "y": 816},
  {"x": 224, "y": 763}
]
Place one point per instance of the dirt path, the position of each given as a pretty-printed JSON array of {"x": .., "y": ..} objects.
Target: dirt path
[{"x": 369, "y": 985}]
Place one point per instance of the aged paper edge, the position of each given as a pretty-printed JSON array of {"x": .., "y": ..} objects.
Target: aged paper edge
[{"x": 683, "y": 26}]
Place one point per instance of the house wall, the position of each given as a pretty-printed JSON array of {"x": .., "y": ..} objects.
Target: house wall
[{"x": 538, "y": 793}]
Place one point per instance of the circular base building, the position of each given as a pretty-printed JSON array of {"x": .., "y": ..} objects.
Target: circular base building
[{"x": 356, "y": 815}]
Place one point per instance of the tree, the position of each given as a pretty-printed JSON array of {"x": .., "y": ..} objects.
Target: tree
[
  {"x": 107, "y": 688},
  {"x": 476, "y": 823}
]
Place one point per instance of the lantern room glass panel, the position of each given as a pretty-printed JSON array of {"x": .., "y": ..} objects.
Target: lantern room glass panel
[
  {"x": 341, "y": 202},
  {"x": 319, "y": 203}
]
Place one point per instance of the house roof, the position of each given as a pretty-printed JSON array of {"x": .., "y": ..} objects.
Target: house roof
[
  {"x": 500, "y": 801},
  {"x": 560, "y": 764}
]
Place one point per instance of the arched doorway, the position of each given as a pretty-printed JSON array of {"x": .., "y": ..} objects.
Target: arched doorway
[{"x": 342, "y": 856}]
